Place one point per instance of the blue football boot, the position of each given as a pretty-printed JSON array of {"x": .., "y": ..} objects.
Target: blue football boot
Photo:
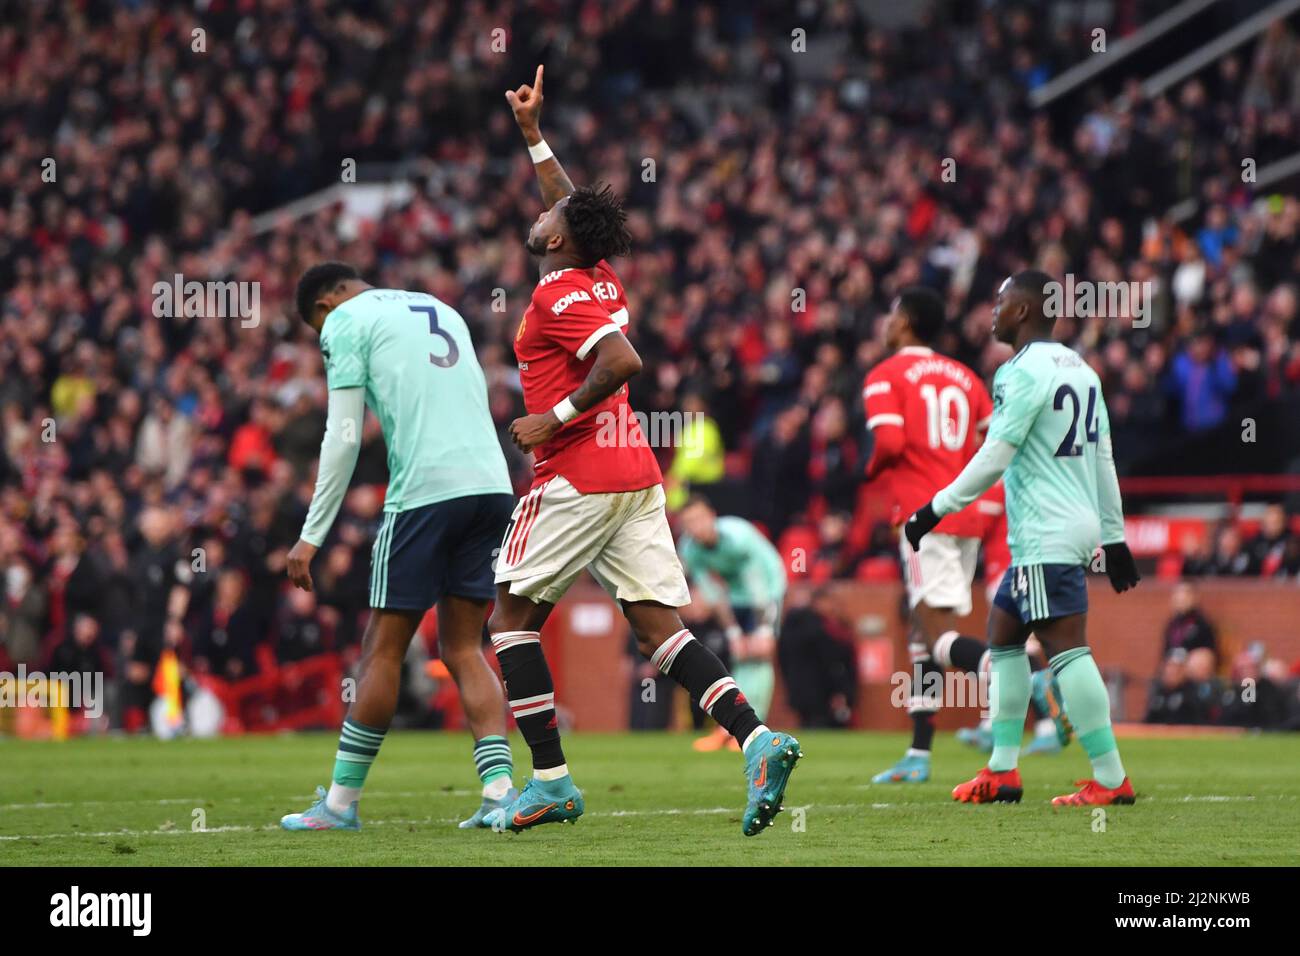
[
  {"x": 479, "y": 819},
  {"x": 1046, "y": 693},
  {"x": 912, "y": 768},
  {"x": 541, "y": 801},
  {"x": 769, "y": 761},
  {"x": 320, "y": 817}
]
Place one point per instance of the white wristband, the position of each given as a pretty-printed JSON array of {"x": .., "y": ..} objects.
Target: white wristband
[
  {"x": 540, "y": 152},
  {"x": 564, "y": 410}
]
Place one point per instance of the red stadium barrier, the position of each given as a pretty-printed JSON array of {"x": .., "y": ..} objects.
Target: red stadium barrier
[
  {"x": 291, "y": 696},
  {"x": 1232, "y": 487}
]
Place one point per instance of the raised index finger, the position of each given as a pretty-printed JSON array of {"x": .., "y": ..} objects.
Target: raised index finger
[{"x": 537, "y": 82}]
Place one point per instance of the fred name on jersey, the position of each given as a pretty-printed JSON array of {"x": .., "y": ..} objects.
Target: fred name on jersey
[{"x": 604, "y": 292}]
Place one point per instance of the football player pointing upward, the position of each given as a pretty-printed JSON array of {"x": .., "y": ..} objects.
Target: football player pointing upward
[{"x": 595, "y": 503}]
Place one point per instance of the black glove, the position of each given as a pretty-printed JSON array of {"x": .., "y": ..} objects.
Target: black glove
[
  {"x": 1120, "y": 566},
  {"x": 920, "y": 524}
]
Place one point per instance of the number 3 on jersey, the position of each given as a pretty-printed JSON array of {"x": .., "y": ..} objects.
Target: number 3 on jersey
[
  {"x": 453, "y": 351},
  {"x": 1068, "y": 448}
]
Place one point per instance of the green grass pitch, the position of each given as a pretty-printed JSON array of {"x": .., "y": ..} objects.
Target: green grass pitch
[{"x": 650, "y": 800}]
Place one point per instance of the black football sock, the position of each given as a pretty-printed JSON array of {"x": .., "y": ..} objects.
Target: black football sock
[
  {"x": 960, "y": 652},
  {"x": 922, "y": 729},
  {"x": 698, "y": 669},
  {"x": 531, "y": 694},
  {"x": 927, "y": 691}
]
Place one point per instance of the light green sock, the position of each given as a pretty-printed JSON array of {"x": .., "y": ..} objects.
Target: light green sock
[
  {"x": 358, "y": 748},
  {"x": 1087, "y": 704},
  {"x": 1008, "y": 703},
  {"x": 494, "y": 765}
]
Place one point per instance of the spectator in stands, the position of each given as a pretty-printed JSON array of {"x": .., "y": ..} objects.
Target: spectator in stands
[
  {"x": 1268, "y": 549},
  {"x": 835, "y": 557},
  {"x": 1289, "y": 565},
  {"x": 1228, "y": 557},
  {"x": 1186, "y": 691},
  {"x": 1256, "y": 695},
  {"x": 699, "y": 461},
  {"x": 300, "y": 632},
  {"x": 1207, "y": 687},
  {"x": 81, "y": 651},
  {"x": 1197, "y": 552},
  {"x": 1189, "y": 628},
  {"x": 225, "y": 641},
  {"x": 164, "y": 445},
  {"x": 1171, "y": 699},
  {"x": 835, "y": 469},
  {"x": 1202, "y": 380},
  {"x": 22, "y": 614},
  {"x": 818, "y": 663},
  {"x": 252, "y": 447},
  {"x": 341, "y": 586},
  {"x": 779, "y": 471}
]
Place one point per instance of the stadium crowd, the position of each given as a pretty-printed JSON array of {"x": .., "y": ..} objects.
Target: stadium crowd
[
  {"x": 155, "y": 469},
  {"x": 1192, "y": 687}
]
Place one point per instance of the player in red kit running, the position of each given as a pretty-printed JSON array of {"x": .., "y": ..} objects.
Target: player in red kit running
[
  {"x": 597, "y": 500},
  {"x": 927, "y": 414}
]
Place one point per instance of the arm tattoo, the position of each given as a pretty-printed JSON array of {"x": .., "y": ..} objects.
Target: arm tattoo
[{"x": 601, "y": 383}]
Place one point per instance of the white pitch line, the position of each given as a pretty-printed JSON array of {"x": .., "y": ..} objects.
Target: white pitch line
[
  {"x": 181, "y": 831},
  {"x": 204, "y": 801},
  {"x": 614, "y": 814},
  {"x": 98, "y": 803}
]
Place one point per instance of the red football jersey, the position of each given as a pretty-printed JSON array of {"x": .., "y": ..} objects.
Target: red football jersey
[
  {"x": 603, "y": 449},
  {"x": 928, "y": 414}
]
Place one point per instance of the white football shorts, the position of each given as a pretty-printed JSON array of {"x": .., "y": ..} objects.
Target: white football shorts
[
  {"x": 940, "y": 574},
  {"x": 622, "y": 537}
]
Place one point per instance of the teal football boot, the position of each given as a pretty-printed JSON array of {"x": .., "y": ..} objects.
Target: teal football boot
[
  {"x": 1043, "y": 744},
  {"x": 769, "y": 761},
  {"x": 541, "y": 801},
  {"x": 320, "y": 817},
  {"x": 912, "y": 768},
  {"x": 478, "y": 820},
  {"x": 1046, "y": 694},
  {"x": 981, "y": 738}
]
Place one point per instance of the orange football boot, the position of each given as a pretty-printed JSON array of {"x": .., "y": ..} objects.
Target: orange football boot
[
  {"x": 1094, "y": 794},
  {"x": 991, "y": 786}
]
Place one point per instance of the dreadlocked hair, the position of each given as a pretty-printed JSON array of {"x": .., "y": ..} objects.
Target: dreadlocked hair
[{"x": 597, "y": 223}]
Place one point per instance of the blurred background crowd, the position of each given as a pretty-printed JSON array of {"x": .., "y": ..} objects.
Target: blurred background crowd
[{"x": 155, "y": 470}]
